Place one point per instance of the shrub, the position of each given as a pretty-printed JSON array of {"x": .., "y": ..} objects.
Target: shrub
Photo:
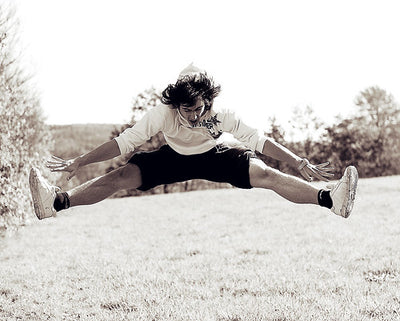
[{"x": 23, "y": 135}]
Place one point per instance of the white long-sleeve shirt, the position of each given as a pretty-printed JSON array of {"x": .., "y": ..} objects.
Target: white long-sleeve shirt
[{"x": 185, "y": 139}]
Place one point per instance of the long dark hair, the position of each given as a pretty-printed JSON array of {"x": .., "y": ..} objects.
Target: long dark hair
[{"x": 188, "y": 89}]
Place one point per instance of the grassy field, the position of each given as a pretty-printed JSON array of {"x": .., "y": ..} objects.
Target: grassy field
[{"x": 208, "y": 255}]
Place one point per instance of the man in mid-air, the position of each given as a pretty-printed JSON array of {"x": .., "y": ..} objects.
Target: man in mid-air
[{"x": 192, "y": 128}]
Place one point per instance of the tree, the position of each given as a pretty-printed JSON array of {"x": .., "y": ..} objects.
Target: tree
[
  {"x": 370, "y": 139},
  {"x": 143, "y": 102},
  {"x": 307, "y": 127},
  {"x": 377, "y": 108},
  {"x": 24, "y": 138},
  {"x": 378, "y": 111}
]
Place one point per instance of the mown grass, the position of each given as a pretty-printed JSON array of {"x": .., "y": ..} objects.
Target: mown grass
[{"x": 208, "y": 255}]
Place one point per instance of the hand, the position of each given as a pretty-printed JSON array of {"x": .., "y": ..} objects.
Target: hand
[
  {"x": 320, "y": 171},
  {"x": 57, "y": 164}
]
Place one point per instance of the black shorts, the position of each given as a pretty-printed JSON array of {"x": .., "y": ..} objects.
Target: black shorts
[{"x": 220, "y": 164}]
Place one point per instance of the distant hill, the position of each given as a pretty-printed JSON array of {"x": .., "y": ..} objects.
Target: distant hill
[{"x": 73, "y": 140}]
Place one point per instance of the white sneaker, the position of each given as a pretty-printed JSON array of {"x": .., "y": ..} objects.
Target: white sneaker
[
  {"x": 344, "y": 192},
  {"x": 43, "y": 194}
]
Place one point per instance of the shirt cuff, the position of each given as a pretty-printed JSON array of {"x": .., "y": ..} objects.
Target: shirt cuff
[
  {"x": 260, "y": 144},
  {"x": 121, "y": 145}
]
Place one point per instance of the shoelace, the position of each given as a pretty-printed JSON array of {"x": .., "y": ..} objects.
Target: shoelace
[{"x": 49, "y": 187}]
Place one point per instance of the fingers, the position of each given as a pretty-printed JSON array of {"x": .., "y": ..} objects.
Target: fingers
[
  {"x": 323, "y": 164},
  {"x": 322, "y": 171},
  {"x": 55, "y": 161},
  {"x": 325, "y": 173},
  {"x": 57, "y": 158},
  {"x": 56, "y": 164},
  {"x": 324, "y": 167},
  {"x": 56, "y": 167},
  {"x": 311, "y": 174},
  {"x": 315, "y": 173},
  {"x": 310, "y": 171},
  {"x": 307, "y": 177}
]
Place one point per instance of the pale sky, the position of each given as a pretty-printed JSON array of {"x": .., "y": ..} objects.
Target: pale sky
[{"x": 90, "y": 58}]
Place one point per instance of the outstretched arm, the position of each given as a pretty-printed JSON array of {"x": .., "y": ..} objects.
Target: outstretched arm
[
  {"x": 281, "y": 153},
  {"x": 104, "y": 152},
  {"x": 307, "y": 170}
]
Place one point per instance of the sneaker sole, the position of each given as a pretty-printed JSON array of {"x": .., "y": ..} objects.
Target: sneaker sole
[
  {"x": 352, "y": 175},
  {"x": 37, "y": 201}
]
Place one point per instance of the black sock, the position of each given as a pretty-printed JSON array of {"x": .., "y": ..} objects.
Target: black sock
[
  {"x": 61, "y": 202},
  {"x": 324, "y": 199}
]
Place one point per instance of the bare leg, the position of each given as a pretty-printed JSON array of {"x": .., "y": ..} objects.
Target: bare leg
[
  {"x": 289, "y": 187},
  {"x": 100, "y": 188}
]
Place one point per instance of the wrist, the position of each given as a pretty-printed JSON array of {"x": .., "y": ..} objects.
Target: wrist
[
  {"x": 297, "y": 161},
  {"x": 80, "y": 161}
]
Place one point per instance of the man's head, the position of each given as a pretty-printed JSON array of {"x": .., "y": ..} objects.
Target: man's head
[{"x": 193, "y": 92}]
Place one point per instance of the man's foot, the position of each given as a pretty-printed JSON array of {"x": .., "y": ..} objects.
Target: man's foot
[
  {"x": 344, "y": 192},
  {"x": 43, "y": 194}
]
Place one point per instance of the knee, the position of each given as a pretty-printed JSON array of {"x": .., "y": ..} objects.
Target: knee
[
  {"x": 127, "y": 177},
  {"x": 264, "y": 176},
  {"x": 128, "y": 170}
]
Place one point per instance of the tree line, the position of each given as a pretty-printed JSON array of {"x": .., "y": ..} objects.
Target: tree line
[{"x": 369, "y": 139}]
